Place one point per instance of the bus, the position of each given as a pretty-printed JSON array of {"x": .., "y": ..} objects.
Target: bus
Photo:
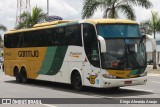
[{"x": 102, "y": 53}]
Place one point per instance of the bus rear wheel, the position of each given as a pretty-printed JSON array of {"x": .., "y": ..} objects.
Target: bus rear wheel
[
  {"x": 77, "y": 81},
  {"x": 24, "y": 75},
  {"x": 17, "y": 76}
]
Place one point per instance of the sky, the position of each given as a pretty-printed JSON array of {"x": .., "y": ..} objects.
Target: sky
[{"x": 67, "y": 9}]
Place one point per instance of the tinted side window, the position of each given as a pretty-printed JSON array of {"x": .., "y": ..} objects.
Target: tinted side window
[
  {"x": 73, "y": 35},
  {"x": 49, "y": 37},
  {"x": 8, "y": 41},
  {"x": 91, "y": 44},
  {"x": 27, "y": 39},
  {"x": 20, "y": 40},
  {"x": 60, "y": 36}
]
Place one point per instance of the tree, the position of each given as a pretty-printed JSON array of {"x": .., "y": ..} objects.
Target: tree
[
  {"x": 113, "y": 7},
  {"x": 2, "y": 27},
  {"x": 29, "y": 19},
  {"x": 153, "y": 26}
]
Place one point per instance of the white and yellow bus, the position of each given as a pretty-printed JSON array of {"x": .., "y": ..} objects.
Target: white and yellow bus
[{"x": 101, "y": 53}]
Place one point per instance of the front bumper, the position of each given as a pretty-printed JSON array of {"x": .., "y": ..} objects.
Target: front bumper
[{"x": 108, "y": 83}]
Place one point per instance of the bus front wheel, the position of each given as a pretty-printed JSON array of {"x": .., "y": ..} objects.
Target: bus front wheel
[{"x": 77, "y": 81}]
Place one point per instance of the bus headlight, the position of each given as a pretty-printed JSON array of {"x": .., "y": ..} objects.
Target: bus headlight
[
  {"x": 143, "y": 74},
  {"x": 109, "y": 76}
]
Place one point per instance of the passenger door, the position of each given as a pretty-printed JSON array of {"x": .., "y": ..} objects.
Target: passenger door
[{"x": 91, "y": 64}]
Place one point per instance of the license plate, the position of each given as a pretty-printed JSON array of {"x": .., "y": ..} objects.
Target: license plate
[{"x": 127, "y": 82}]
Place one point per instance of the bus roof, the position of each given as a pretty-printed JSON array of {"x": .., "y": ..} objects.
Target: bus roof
[
  {"x": 41, "y": 26},
  {"x": 62, "y": 22},
  {"x": 110, "y": 21},
  {"x": 51, "y": 23}
]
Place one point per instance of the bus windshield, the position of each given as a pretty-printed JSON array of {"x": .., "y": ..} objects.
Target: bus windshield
[
  {"x": 124, "y": 54},
  {"x": 118, "y": 30},
  {"x": 125, "y": 47}
]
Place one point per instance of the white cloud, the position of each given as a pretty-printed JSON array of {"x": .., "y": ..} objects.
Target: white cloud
[
  {"x": 8, "y": 11},
  {"x": 10, "y": 19},
  {"x": 68, "y": 9},
  {"x": 142, "y": 14},
  {"x": 62, "y": 9}
]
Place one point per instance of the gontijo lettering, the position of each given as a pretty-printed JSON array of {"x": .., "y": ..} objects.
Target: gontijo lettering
[{"x": 28, "y": 53}]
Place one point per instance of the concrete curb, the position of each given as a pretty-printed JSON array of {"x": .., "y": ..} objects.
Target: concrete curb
[{"x": 150, "y": 69}]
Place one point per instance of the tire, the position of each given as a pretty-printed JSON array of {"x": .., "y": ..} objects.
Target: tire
[
  {"x": 115, "y": 88},
  {"x": 18, "y": 76},
  {"x": 24, "y": 76},
  {"x": 77, "y": 81}
]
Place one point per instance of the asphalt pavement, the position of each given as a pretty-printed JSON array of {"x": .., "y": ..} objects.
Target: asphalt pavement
[
  {"x": 45, "y": 89},
  {"x": 150, "y": 69}
]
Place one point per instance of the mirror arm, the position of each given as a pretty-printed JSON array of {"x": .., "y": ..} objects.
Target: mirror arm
[{"x": 102, "y": 44}]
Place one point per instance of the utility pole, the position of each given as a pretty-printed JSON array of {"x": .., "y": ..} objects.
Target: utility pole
[
  {"x": 48, "y": 7},
  {"x": 22, "y": 6}
]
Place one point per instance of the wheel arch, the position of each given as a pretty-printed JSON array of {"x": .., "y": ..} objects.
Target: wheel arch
[{"x": 73, "y": 71}]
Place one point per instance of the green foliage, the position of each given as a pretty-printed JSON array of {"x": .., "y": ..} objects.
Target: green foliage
[
  {"x": 152, "y": 25},
  {"x": 111, "y": 8},
  {"x": 2, "y": 27},
  {"x": 29, "y": 19}
]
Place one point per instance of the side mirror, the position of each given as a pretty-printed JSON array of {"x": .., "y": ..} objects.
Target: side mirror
[{"x": 102, "y": 44}]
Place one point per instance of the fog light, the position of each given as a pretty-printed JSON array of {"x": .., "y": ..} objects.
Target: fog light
[{"x": 145, "y": 80}]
